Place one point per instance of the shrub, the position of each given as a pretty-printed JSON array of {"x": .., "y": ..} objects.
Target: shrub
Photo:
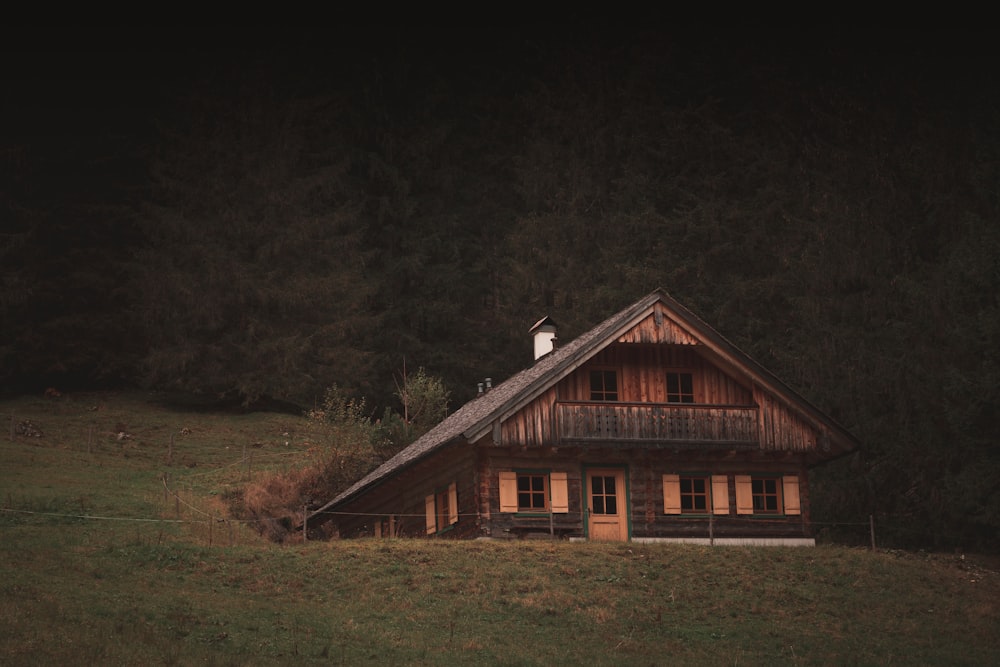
[{"x": 275, "y": 501}]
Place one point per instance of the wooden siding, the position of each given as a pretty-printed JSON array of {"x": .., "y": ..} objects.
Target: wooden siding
[
  {"x": 641, "y": 371},
  {"x": 533, "y": 425},
  {"x": 780, "y": 428},
  {"x": 642, "y": 375},
  {"x": 658, "y": 328}
]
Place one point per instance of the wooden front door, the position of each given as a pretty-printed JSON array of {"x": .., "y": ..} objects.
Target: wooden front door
[{"x": 607, "y": 505}]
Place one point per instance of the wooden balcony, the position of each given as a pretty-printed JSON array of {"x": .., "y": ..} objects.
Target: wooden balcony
[{"x": 657, "y": 424}]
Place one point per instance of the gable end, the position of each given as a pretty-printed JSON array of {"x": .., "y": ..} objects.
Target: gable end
[{"x": 657, "y": 327}]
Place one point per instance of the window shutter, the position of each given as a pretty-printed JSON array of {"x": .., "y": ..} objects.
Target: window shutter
[
  {"x": 429, "y": 511},
  {"x": 720, "y": 494},
  {"x": 452, "y": 503},
  {"x": 508, "y": 492},
  {"x": 671, "y": 494},
  {"x": 560, "y": 493},
  {"x": 744, "y": 495},
  {"x": 790, "y": 491}
]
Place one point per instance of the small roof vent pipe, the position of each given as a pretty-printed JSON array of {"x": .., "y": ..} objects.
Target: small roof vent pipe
[{"x": 544, "y": 335}]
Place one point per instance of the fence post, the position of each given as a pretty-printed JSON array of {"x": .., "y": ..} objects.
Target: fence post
[
  {"x": 170, "y": 450},
  {"x": 871, "y": 528},
  {"x": 305, "y": 519}
]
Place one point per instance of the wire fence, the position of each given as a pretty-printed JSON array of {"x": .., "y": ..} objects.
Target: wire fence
[
  {"x": 188, "y": 498},
  {"x": 187, "y": 495},
  {"x": 226, "y": 531}
]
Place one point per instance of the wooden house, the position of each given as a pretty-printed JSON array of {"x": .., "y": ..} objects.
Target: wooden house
[{"x": 649, "y": 427}]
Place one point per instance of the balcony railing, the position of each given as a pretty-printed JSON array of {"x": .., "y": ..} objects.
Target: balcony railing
[{"x": 657, "y": 423}]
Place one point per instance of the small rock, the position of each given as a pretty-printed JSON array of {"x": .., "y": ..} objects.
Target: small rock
[{"x": 27, "y": 429}]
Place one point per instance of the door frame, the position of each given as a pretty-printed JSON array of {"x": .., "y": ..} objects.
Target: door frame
[{"x": 624, "y": 496}]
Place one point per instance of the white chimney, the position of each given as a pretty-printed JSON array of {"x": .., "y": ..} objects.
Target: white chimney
[{"x": 544, "y": 334}]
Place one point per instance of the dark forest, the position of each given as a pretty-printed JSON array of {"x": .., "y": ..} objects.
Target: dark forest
[{"x": 259, "y": 216}]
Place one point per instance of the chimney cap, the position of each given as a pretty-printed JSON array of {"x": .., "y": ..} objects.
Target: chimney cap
[{"x": 544, "y": 324}]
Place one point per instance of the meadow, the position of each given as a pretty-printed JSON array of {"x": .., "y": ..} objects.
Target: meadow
[{"x": 116, "y": 549}]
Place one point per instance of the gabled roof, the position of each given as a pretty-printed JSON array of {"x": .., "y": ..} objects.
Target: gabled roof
[{"x": 476, "y": 418}]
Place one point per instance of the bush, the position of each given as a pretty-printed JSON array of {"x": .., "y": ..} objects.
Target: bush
[
  {"x": 275, "y": 501},
  {"x": 353, "y": 445}
]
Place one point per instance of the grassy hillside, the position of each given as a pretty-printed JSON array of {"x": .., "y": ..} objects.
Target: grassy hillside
[{"x": 114, "y": 549}]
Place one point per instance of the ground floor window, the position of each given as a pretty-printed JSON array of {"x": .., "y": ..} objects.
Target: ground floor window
[
  {"x": 441, "y": 509},
  {"x": 533, "y": 491},
  {"x": 695, "y": 494},
  {"x": 767, "y": 494}
]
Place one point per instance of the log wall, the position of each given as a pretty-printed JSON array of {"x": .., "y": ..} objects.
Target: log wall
[
  {"x": 519, "y": 525},
  {"x": 649, "y": 520},
  {"x": 645, "y": 472}
]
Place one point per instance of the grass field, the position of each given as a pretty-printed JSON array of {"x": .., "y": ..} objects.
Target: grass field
[{"x": 115, "y": 550}]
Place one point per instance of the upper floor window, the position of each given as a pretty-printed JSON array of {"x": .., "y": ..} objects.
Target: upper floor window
[
  {"x": 603, "y": 386},
  {"x": 680, "y": 388}
]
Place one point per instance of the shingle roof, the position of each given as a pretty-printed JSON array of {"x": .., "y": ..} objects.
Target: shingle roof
[{"x": 474, "y": 418}]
